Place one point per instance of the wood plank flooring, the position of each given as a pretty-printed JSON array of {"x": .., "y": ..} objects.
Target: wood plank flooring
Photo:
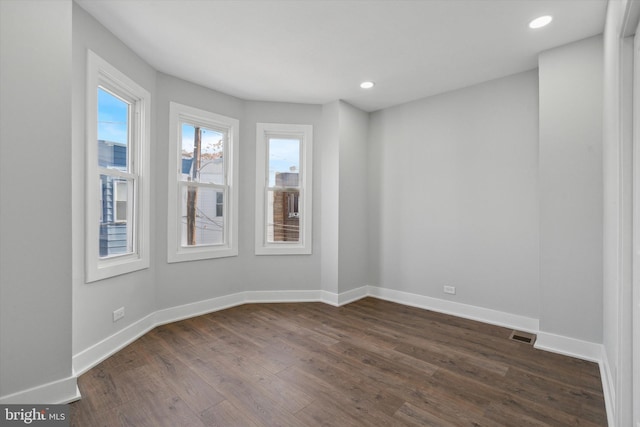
[{"x": 370, "y": 363}]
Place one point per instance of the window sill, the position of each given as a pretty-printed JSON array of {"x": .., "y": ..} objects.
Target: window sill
[{"x": 196, "y": 254}]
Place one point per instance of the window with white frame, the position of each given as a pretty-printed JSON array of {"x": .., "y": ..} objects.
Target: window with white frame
[
  {"x": 203, "y": 199},
  {"x": 117, "y": 167},
  {"x": 283, "y": 188}
]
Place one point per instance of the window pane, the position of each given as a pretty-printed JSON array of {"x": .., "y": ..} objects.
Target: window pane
[
  {"x": 283, "y": 216},
  {"x": 113, "y": 131},
  {"x": 220, "y": 204},
  {"x": 201, "y": 224},
  {"x": 121, "y": 195},
  {"x": 284, "y": 162},
  {"x": 202, "y": 155},
  {"x": 115, "y": 222}
]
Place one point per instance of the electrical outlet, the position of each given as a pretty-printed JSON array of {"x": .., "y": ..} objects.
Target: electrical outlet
[
  {"x": 450, "y": 290},
  {"x": 118, "y": 314}
]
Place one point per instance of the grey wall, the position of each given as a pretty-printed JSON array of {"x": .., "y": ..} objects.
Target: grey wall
[
  {"x": 354, "y": 214},
  {"x": 94, "y": 303},
  {"x": 571, "y": 190},
  {"x": 288, "y": 272},
  {"x": 344, "y": 220},
  {"x": 329, "y": 161},
  {"x": 453, "y": 188},
  {"x": 186, "y": 282},
  {"x": 35, "y": 172}
]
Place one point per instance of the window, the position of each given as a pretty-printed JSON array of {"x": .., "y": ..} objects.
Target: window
[
  {"x": 203, "y": 196},
  {"x": 283, "y": 189},
  {"x": 117, "y": 205}
]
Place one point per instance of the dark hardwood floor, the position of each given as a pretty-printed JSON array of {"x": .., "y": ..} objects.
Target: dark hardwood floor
[{"x": 370, "y": 363}]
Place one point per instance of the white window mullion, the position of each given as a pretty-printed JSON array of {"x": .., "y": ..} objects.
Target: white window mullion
[
  {"x": 116, "y": 173},
  {"x": 132, "y": 232},
  {"x": 204, "y": 185}
]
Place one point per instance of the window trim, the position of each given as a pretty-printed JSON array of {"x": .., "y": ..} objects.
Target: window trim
[
  {"x": 102, "y": 74},
  {"x": 264, "y": 132},
  {"x": 179, "y": 113}
]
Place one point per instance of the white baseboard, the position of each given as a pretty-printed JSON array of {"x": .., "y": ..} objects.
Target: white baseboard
[
  {"x": 569, "y": 346},
  {"x": 485, "y": 315},
  {"x": 90, "y": 357},
  {"x": 185, "y": 311},
  {"x": 608, "y": 388},
  {"x": 345, "y": 297},
  {"x": 353, "y": 295},
  {"x": 55, "y": 392},
  {"x": 282, "y": 296}
]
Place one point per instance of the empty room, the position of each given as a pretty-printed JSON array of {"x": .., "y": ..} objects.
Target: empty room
[{"x": 320, "y": 212}]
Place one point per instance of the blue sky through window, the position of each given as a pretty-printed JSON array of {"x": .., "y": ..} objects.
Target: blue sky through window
[
  {"x": 284, "y": 156},
  {"x": 211, "y": 142},
  {"x": 113, "y": 115}
]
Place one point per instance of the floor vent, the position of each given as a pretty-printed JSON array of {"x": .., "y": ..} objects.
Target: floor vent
[{"x": 523, "y": 337}]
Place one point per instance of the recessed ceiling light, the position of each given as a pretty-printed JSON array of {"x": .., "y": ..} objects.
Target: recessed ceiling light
[
  {"x": 540, "y": 22},
  {"x": 367, "y": 85}
]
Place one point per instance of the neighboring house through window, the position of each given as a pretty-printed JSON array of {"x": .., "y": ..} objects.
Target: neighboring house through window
[
  {"x": 117, "y": 205},
  {"x": 116, "y": 232}
]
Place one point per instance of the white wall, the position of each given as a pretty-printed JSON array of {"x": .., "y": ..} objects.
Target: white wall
[
  {"x": 453, "y": 189},
  {"x": 94, "y": 303},
  {"x": 571, "y": 190},
  {"x": 35, "y": 200}
]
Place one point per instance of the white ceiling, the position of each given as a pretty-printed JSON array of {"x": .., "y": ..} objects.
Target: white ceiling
[{"x": 317, "y": 51}]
